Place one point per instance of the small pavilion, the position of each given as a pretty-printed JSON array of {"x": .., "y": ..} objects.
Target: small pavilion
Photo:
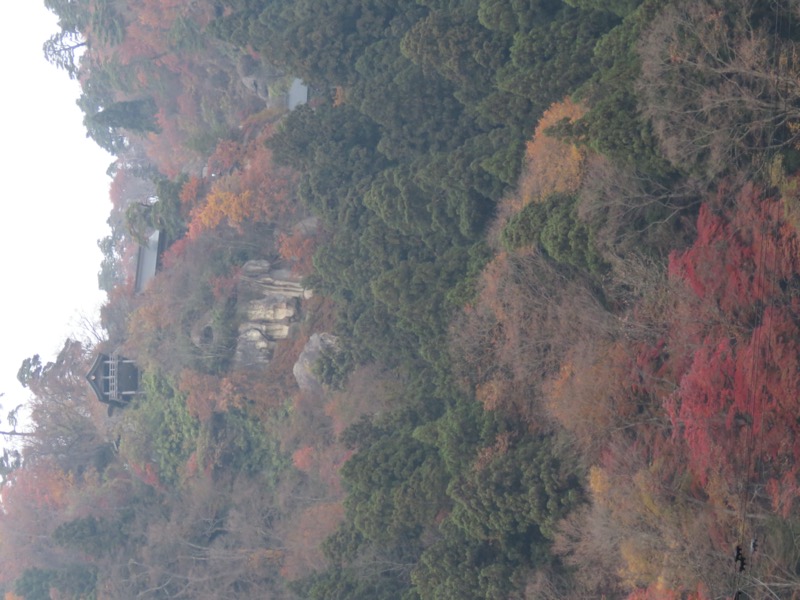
[{"x": 115, "y": 380}]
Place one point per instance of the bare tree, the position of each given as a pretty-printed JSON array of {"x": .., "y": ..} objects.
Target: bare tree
[
  {"x": 214, "y": 539},
  {"x": 719, "y": 82},
  {"x": 60, "y": 411},
  {"x": 529, "y": 312}
]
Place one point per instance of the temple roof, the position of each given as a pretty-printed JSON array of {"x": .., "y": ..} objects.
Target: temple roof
[
  {"x": 148, "y": 258},
  {"x": 94, "y": 374}
]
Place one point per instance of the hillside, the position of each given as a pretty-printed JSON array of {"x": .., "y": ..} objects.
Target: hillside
[{"x": 507, "y": 307}]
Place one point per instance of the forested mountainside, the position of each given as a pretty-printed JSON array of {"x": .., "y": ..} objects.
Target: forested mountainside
[{"x": 510, "y": 308}]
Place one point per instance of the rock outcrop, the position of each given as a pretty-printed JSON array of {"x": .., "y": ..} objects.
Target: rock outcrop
[
  {"x": 269, "y": 303},
  {"x": 303, "y": 369}
]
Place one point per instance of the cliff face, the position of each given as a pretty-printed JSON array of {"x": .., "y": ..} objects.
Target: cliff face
[{"x": 269, "y": 302}]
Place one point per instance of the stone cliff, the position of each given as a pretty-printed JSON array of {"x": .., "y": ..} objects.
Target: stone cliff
[{"x": 269, "y": 303}]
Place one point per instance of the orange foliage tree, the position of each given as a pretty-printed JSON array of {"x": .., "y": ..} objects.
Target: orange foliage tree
[
  {"x": 298, "y": 249},
  {"x": 221, "y": 206},
  {"x": 208, "y": 394},
  {"x": 646, "y": 524},
  {"x": 273, "y": 186},
  {"x": 42, "y": 485},
  {"x": 258, "y": 190},
  {"x": 303, "y": 458},
  {"x": 227, "y": 157}
]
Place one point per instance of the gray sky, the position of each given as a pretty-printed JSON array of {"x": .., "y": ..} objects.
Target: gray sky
[{"x": 56, "y": 200}]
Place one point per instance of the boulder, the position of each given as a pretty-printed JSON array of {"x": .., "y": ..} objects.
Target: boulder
[{"x": 303, "y": 369}]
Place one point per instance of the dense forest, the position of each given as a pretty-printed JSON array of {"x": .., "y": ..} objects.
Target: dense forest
[{"x": 538, "y": 327}]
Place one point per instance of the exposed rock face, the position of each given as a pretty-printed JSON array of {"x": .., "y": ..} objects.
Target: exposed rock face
[
  {"x": 269, "y": 302},
  {"x": 256, "y": 76},
  {"x": 306, "y": 227},
  {"x": 303, "y": 369},
  {"x": 271, "y": 84},
  {"x": 258, "y": 310},
  {"x": 271, "y": 281}
]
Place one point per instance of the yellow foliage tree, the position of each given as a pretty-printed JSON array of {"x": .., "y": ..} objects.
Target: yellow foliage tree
[
  {"x": 552, "y": 165},
  {"x": 221, "y": 206}
]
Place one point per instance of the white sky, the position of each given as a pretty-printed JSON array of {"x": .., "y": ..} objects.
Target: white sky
[{"x": 56, "y": 200}]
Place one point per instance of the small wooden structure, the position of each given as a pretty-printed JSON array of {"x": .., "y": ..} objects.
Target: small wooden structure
[{"x": 115, "y": 380}]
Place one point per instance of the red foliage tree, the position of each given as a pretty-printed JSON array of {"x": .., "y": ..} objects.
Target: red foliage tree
[
  {"x": 192, "y": 191},
  {"x": 303, "y": 458},
  {"x": 148, "y": 474},
  {"x": 175, "y": 253},
  {"x": 732, "y": 348}
]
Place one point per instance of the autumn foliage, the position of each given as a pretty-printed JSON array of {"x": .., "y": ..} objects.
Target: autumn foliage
[
  {"x": 677, "y": 409},
  {"x": 243, "y": 186},
  {"x": 221, "y": 207},
  {"x": 207, "y": 394},
  {"x": 593, "y": 394},
  {"x": 552, "y": 165},
  {"x": 297, "y": 248},
  {"x": 738, "y": 367},
  {"x": 524, "y": 321},
  {"x": 568, "y": 355},
  {"x": 192, "y": 190},
  {"x": 721, "y": 379}
]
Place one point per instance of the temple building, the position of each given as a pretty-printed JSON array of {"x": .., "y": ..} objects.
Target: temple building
[
  {"x": 148, "y": 260},
  {"x": 115, "y": 380}
]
